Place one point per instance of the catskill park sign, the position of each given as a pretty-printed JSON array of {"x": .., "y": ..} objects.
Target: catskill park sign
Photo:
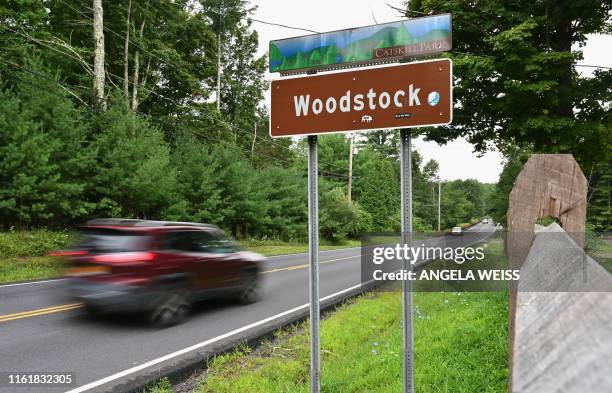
[
  {"x": 382, "y": 43},
  {"x": 399, "y": 96}
]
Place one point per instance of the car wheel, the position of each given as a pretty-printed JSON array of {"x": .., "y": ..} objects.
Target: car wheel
[
  {"x": 250, "y": 288},
  {"x": 171, "y": 311}
]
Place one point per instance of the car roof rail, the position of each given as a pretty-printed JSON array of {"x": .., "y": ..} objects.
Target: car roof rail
[
  {"x": 146, "y": 223},
  {"x": 187, "y": 224},
  {"x": 114, "y": 221}
]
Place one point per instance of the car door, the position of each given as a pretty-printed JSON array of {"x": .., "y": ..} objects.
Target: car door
[
  {"x": 178, "y": 255},
  {"x": 219, "y": 264}
]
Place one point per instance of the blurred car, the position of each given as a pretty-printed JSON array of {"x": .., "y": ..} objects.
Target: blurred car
[
  {"x": 158, "y": 267},
  {"x": 485, "y": 221},
  {"x": 457, "y": 231}
]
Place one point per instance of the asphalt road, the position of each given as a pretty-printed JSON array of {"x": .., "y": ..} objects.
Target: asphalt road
[{"x": 41, "y": 330}]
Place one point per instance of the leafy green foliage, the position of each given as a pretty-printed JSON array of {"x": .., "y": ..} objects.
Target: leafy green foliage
[
  {"x": 379, "y": 192},
  {"x": 361, "y": 349},
  {"x": 132, "y": 176},
  {"x": 341, "y": 218},
  {"x": 35, "y": 243},
  {"x": 518, "y": 84},
  {"x": 499, "y": 198},
  {"x": 600, "y": 212},
  {"x": 42, "y": 159},
  {"x": 458, "y": 204}
]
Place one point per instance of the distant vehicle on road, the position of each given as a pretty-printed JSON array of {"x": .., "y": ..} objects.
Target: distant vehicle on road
[
  {"x": 485, "y": 221},
  {"x": 158, "y": 267},
  {"x": 457, "y": 231}
]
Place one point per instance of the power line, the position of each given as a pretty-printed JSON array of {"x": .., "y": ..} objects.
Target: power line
[
  {"x": 282, "y": 25},
  {"x": 174, "y": 102},
  {"x": 130, "y": 41},
  {"x": 248, "y": 18},
  {"x": 25, "y": 69},
  {"x": 593, "y": 66},
  {"x": 151, "y": 91},
  {"x": 38, "y": 86}
]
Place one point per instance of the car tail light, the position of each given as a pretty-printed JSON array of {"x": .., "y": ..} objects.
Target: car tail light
[{"x": 125, "y": 257}]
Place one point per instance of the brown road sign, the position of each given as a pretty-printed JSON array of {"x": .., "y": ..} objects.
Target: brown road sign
[{"x": 400, "y": 96}]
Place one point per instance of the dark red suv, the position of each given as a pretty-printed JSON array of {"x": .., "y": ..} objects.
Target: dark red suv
[{"x": 158, "y": 267}]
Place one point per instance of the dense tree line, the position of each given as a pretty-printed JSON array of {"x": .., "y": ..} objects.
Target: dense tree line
[
  {"x": 154, "y": 145},
  {"x": 61, "y": 164}
]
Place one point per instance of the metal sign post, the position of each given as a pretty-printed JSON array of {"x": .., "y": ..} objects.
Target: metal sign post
[
  {"x": 313, "y": 256},
  {"x": 407, "y": 298},
  {"x": 415, "y": 94}
]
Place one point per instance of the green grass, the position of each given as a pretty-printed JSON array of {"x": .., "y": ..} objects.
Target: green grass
[
  {"x": 603, "y": 252},
  {"x": 162, "y": 386},
  {"x": 22, "y": 254},
  {"x": 460, "y": 346},
  {"x": 30, "y": 268},
  {"x": 35, "y": 243}
]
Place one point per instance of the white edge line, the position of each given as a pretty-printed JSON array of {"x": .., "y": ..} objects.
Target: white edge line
[
  {"x": 198, "y": 345},
  {"x": 31, "y": 282}
]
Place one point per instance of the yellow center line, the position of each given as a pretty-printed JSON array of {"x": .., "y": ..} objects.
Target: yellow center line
[
  {"x": 66, "y": 307},
  {"x": 41, "y": 311},
  {"x": 306, "y": 265}
]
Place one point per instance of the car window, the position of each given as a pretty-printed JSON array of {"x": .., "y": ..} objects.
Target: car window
[
  {"x": 182, "y": 241},
  {"x": 199, "y": 241},
  {"x": 102, "y": 240},
  {"x": 215, "y": 242}
]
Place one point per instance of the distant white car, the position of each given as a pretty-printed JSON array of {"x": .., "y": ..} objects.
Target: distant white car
[
  {"x": 457, "y": 231},
  {"x": 485, "y": 221}
]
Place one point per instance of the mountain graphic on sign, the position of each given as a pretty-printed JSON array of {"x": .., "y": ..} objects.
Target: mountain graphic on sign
[{"x": 354, "y": 45}]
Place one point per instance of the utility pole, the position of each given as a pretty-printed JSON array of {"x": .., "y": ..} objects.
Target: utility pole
[
  {"x": 439, "y": 199},
  {"x": 350, "y": 179},
  {"x": 219, "y": 61}
]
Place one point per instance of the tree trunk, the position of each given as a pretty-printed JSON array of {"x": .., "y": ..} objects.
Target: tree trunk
[
  {"x": 98, "y": 77},
  {"x": 137, "y": 70},
  {"x": 219, "y": 71},
  {"x": 254, "y": 137},
  {"x": 126, "y": 47}
]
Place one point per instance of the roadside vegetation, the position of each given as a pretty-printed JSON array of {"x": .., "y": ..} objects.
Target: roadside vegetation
[
  {"x": 599, "y": 248},
  {"x": 23, "y": 254},
  {"x": 460, "y": 346}
]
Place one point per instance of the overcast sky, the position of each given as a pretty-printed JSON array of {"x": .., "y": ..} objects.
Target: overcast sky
[{"x": 456, "y": 159}]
